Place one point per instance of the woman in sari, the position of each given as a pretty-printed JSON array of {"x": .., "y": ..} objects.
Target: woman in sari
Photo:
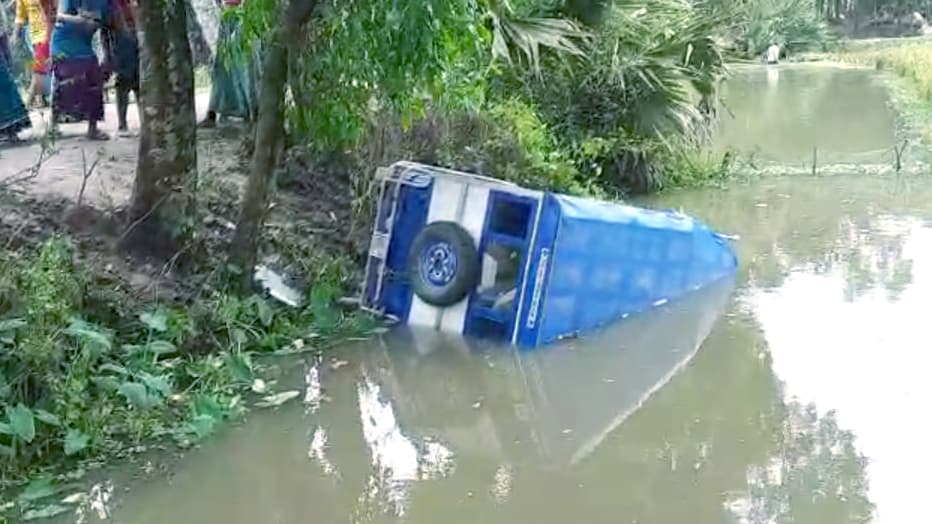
[
  {"x": 13, "y": 115},
  {"x": 38, "y": 16},
  {"x": 77, "y": 77},
  {"x": 234, "y": 78}
]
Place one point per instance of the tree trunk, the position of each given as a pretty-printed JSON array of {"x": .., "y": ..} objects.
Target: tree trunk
[
  {"x": 270, "y": 132},
  {"x": 162, "y": 205}
]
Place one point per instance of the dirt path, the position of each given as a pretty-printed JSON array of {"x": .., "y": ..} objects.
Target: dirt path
[
  {"x": 60, "y": 175},
  {"x": 313, "y": 212}
]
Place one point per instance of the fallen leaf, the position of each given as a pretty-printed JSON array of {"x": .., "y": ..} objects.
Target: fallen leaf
[
  {"x": 277, "y": 399},
  {"x": 45, "y": 512},
  {"x": 74, "y": 498}
]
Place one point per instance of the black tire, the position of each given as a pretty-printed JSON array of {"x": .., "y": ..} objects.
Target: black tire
[{"x": 443, "y": 264}]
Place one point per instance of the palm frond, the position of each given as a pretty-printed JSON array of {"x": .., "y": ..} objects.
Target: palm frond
[{"x": 526, "y": 36}]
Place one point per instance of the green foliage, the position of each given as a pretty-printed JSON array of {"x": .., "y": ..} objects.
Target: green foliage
[
  {"x": 76, "y": 385},
  {"x": 361, "y": 58},
  {"x": 909, "y": 65},
  {"x": 508, "y": 140},
  {"x": 650, "y": 70},
  {"x": 911, "y": 61},
  {"x": 360, "y": 53},
  {"x": 687, "y": 166},
  {"x": 796, "y": 25},
  {"x": 525, "y": 34}
]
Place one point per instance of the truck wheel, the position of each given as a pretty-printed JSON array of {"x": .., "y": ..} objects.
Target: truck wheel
[{"x": 443, "y": 264}]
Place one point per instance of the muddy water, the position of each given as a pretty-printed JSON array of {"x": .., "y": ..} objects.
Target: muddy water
[
  {"x": 805, "y": 404},
  {"x": 800, "y": 114}
]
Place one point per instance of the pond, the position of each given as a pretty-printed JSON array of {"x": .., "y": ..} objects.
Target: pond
[
  {"x": 797, "y": 115},
  {"x": 803, "y": 404}
]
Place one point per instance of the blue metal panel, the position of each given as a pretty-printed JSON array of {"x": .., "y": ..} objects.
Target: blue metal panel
[
  {"x": 538, "y": 274},
  {"x": 611, "y": 260},
  {"x": 410, "y": 218}
]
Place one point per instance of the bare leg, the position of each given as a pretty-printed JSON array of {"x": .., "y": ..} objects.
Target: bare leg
[
  {"x": 37, "y": 90},
  {"x": 93, "y": 133},
  {"x": 138, "y": 104},
  {"x": 53, "y": 124},
  {"x": 31, "y": 101},
  {"x": 122, "y": 100}
]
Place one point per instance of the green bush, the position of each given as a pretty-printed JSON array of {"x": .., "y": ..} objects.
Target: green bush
[
  {"x": 509, "y": 141},
  {"x": 794, "y": 24},
  {"x": 648, "y": 82},
  {"x": 78, "y": 381}
]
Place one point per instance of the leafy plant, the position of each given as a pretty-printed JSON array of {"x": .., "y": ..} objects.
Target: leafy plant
[
  {"x": 651, "y": 74},
  {"x": 78, "y": 383}
]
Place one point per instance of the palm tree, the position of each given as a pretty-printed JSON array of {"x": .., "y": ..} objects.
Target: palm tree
[{"x": 650, "y": 76}]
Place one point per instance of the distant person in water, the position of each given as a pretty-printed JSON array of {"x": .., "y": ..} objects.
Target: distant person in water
[
  {"x": 77, "y": 76},
  {"x": 125, "y": 47},
  {"x": 773, "y": 53},
  {"x": 233, "y": 91},
  {"x": 13, "y": 115},
  {"x": 38, "y": 16}
]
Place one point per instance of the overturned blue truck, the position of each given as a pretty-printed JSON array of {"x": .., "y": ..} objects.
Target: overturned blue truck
[{"x": 467, "y": 254}]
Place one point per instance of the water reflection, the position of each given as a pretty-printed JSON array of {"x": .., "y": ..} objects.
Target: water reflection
[
  {"x": 781, "y": 114},
  {"x": 865, "y": 359},
  {"x": 817, "y": 476},
  {"x": 397, "y": 463},
  {"x": 554, "y": 405},
  {"x": 425, "y": 422}
]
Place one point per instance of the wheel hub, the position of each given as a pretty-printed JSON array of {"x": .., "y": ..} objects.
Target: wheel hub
[{"x": 438, "y": 264}]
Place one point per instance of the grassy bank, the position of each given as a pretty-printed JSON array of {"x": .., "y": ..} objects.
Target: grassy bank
[
  {"x": 91, "y": 372},
  {"x": 909, "y": 63}
]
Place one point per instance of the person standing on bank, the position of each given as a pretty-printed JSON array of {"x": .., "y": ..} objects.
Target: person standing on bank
[
  {"x": 77, "y": 76},
  {"x": 773, "y": 53},
  {"x": 13, "y": 115},
  {"x": 39, "y": 16},
  {"x": 125, "y": 47},
  {"x": 234, "y": 79}
]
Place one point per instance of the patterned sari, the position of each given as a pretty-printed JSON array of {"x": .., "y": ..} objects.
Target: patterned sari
[
  {"x": 234, "y": 80},
  {"x": 13, "y": 115}
]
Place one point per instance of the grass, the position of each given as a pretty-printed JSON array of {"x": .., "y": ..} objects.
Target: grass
[
  {"x": 88, "y": 375},
  {"x": 909, "y": 62}
]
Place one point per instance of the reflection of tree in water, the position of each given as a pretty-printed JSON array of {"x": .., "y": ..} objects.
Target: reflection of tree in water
[
  {"x": 872, "y": 256},
  {"x": 818, "y": 476},
  {"x": 838, "y": 224}
]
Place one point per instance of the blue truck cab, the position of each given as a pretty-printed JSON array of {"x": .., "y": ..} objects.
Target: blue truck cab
[{"x": 485, "y": 258}]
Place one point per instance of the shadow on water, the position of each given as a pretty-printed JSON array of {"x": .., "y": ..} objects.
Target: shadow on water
[{"x": 804, "y": 404}]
